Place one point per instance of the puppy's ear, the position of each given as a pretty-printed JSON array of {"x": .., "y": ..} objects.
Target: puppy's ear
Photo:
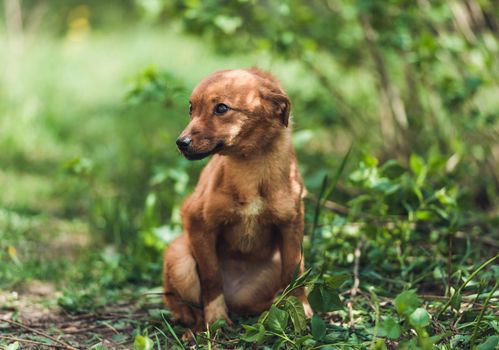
[{"x": 281, "y": 106}]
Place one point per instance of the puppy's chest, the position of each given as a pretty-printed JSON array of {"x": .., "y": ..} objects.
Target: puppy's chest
[{"x": 251, "y": 227}]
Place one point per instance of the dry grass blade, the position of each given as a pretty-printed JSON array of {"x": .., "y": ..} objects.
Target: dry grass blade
[
  {"x": 45, "y": 335},
  {"x": 28, "y": 341}
]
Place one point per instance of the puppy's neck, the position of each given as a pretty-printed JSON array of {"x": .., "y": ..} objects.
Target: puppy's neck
[
  {"x": 277, "y": 146},
  {"x": 267, "y": 167}
]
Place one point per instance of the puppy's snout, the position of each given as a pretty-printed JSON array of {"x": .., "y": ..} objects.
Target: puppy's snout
[{"x": 183, "y": 142}]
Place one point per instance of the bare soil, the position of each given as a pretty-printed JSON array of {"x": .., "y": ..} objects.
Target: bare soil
[{"x": 34, "y": 320}]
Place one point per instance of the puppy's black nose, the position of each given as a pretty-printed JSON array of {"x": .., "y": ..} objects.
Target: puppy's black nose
[{"x": 183, "y": 142}]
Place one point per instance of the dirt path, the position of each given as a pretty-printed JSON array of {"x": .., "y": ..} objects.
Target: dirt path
[{"x": 36, "y": 322}]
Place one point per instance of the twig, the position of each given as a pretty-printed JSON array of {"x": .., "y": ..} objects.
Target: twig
[
  {"x": 221, "y": 342},
  {"x": 487, "y": 240},
  {"x": 110, "y": 327},
  {"x": 449, "y": 265},
  {"x": 81, "y": 330},
  {"x": 27, "y": 341},
  {"x": 356, "y": 282},
  {"x": 154, "y": 293},
  {"x": 63, "y": 344},
  {"x": 432, "y": 297},
  {"x": 328, "y": 204}
]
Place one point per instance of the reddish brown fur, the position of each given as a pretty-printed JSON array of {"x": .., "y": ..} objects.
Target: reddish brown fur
[{"x": 243, "y": 225}]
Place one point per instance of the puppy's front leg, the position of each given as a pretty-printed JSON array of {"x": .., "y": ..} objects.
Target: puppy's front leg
[
  {"x": 203, "y": 243},
  {"x": 291, "y": 256}
]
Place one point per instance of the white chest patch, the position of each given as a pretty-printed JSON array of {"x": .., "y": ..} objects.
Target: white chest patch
[
  {"x": 253, "y": 208},
  {"x": 250, "y": 227}
]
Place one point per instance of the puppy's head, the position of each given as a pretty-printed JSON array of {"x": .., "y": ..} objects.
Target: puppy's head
[{"x": 234, "y": 112}]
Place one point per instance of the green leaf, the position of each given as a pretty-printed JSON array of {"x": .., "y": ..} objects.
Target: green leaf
[
  {"x": 277, "y": 320},
  {"x": 263, "y": 317},
  {"x": 301, "y": 279},
  {"x": 315, "y": 298},
  {"x": 13, "y": 346},
  {"x": 455, "y": 301},
  {"x": 390, "y": 328},
  {"x": 301, "y": 340},
  {"x": 335, "y": 281},
  {"x": 99, "y": 347},
  {"x": 217, "y": 325},
  {"x": 294, "y": 307},
  {"x": 406, "y": 302},
  {"x": 417, "y": 164},
  {"x": 254, "y": 334},
  {"x": 379, "y": 345},
  {"x": 324, "y": 299},
  {"x": 419, "y": 318},
  {"x": 228, "y": 24},
  {"x": 318, "y": 327},
  {"x": 142, "y": 343},
  {"x": 490, "y": 344},
  {"x": 370, "y": 161}
]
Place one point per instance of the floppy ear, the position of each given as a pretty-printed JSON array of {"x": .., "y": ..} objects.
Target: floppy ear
[{"x": 281, "y": 106}]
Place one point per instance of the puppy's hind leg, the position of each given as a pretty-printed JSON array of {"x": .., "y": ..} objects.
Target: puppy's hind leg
[{"x": 181, "y": 284}]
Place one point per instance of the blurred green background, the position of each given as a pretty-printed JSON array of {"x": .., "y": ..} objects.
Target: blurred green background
[{"x": 94, "y": 93}]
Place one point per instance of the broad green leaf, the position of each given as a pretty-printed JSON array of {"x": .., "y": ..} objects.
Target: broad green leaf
[
  {"x": 417, "y": 164},
  {"x": 254, "y": 334},
  {"x": 438, "y": 337},
  {"x": 390, "y": 328},
  {"x": 370, "y": 161},
  {"x": 279, "y": 344},
  {"x": 385, "y": 185},
  {"x": 411, "y": 344},
  {"x": 425, "y": 215},
  {"x": 143, "y": 343},
  {"x": 332, "y": 301},
  {"x": 379, "y": 345},
  {"x": 444, "y": 198},
  {"x": 392, "y": 169},
  {"x": 490, "y": 344},
  {"x": 227, "y": 24},
  {"x": 438, "y": 273},
  {"x": 299, "y": 341},
  {"x": 277, "y": 320},
  {"x": 315, "y": 298},
  {"x": 318, "y": 327},
  {"x": 406, "y": 302},
  {"x": 294, "y": 307},
  {"x": 13, "y": 346},
  {"x": 335, "y": 281},
  {"x": 419, "y": 318},
  {"x": 324, "y": 299}
]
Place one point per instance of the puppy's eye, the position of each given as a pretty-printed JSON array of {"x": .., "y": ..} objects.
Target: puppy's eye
[
  {"x": 190, "y": 109},
  {"x": 221, "y": 109}
]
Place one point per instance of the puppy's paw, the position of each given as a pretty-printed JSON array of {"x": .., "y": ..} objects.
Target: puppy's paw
[
  {"x": 308, "y": 309},
  {"x": 215, "y": 310},
  {"x": 189, "y": 336}
]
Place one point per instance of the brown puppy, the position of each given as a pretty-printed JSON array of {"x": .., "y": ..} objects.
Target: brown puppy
[{"x": 243, "y": 225}]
